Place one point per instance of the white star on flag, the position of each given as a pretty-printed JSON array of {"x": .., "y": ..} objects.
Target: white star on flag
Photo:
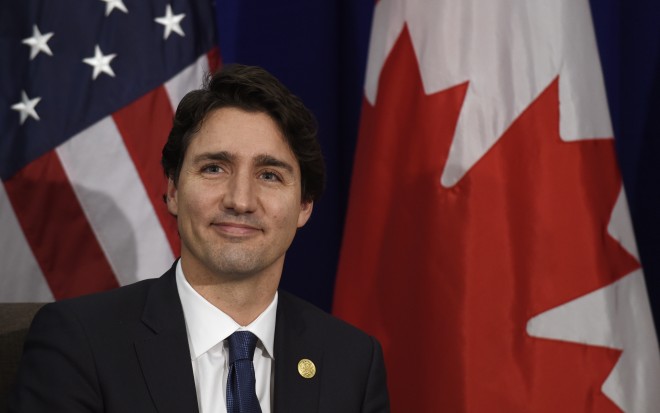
[
  {"x": 38, "y": 42},
  {"x": 26, "y": 107},
  {"x": 100, "y": 62},
  {"x": 114, "y": 4},
  {"x": 172, "y": 22}
]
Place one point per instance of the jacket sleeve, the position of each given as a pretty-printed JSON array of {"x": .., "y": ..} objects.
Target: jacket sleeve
[
  {"x": 57, "y": 371},
  {"x": 376, "y": 398}
]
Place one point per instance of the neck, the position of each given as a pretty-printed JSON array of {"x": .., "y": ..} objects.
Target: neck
[
  {"x": 242, "y": 297},
  {"x": 242, "y": 303}
]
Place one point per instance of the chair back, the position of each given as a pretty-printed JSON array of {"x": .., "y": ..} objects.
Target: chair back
[{"x": 15, "y": 319}]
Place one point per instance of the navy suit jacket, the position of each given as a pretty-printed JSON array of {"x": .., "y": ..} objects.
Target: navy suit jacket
[{"x": 127, "y": 350}]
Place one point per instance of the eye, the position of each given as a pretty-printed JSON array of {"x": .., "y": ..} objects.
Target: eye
[
  {"x": 212, "y": 169},
  {"x": 270, "y": 176}
]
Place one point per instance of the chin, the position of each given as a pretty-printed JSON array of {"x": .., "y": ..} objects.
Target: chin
[{"x": 240, "y": 267}]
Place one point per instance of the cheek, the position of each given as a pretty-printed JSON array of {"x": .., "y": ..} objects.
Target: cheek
[
  {"x": 292, "y": 217},
  {"x": 194, "y": 205},
  {"x": 283, "y": 217}
]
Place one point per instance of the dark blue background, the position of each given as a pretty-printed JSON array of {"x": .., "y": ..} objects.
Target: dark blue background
[{"x": 319, "y": 49}]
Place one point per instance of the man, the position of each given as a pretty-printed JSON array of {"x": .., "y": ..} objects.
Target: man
[{"x": 213, "y": 334}]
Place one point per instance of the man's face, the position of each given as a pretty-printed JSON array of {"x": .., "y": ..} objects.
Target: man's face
[{"x": 238, "y": 197}]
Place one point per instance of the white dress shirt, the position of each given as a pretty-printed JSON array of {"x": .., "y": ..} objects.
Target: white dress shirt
[{"x": 207, "y": 328}]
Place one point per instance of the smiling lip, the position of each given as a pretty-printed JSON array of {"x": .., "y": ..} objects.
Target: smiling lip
[{"x": 234, "y": 229}]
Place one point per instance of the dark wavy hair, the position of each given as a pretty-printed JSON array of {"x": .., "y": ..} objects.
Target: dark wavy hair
[{"x": 252, "y": 89}]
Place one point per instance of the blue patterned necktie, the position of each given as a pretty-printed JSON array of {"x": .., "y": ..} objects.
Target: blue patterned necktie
[{"x": 241, "y": 394}]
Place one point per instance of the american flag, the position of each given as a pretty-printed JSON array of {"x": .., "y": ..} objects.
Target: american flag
[{"x": 89, "y": 89}]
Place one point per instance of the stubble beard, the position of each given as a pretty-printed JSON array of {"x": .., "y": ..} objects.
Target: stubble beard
[{"x": 235, "y": 262}]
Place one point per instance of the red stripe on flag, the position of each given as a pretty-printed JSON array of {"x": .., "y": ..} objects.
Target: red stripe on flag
[
  {"x": 215, "y": 60},
  {"x": 144, "y": 126},
  {"x": 57, "y": 229}
]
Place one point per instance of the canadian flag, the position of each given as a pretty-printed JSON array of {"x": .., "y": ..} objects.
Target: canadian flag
[{"x": 487, "y": 243}]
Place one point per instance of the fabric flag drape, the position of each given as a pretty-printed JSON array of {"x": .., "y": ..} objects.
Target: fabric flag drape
[
  {"x": 87, "y": 99},
  {"x": 487, "y": 243}
]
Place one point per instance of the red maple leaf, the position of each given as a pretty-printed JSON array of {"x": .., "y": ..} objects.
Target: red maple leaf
[{"x": 447, "y": 278}]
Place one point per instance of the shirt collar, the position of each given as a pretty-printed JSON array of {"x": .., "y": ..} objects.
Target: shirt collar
[{"x": 207, "y": 325}]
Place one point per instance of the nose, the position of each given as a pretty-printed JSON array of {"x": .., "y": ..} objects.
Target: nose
[{"x": 240, "y": 194}]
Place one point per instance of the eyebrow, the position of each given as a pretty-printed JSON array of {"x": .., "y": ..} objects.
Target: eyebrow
[
  {"x": 267, "y": 160},
  {"x": 259, "y": 160},
  {"x": 214, "y": 156}
]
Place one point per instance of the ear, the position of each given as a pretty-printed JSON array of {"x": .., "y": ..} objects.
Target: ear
[
  {"x": 172, "y": 199},
  {"x": 305, "y": 212}
]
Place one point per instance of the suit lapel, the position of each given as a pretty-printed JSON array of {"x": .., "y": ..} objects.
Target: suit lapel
[
  {"x": 293, "y": 392},
  {"x": 165, "y": 357}
]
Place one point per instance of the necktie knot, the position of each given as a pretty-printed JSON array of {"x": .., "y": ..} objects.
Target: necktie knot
[{"x": 241, "y": 346}]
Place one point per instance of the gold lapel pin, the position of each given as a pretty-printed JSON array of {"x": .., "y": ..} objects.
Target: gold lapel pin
[{"x": 306, "y": 368}]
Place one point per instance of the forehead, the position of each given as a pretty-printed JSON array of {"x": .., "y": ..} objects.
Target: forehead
[{"x": 244, "y": 134}]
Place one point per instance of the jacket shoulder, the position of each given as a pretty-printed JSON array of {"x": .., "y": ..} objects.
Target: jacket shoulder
[
  {"x": 114, "y": 303},
  {"x": 320, "y": 324}
]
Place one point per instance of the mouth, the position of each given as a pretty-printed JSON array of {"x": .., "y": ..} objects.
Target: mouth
[{"x": 234, "y": 229}]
